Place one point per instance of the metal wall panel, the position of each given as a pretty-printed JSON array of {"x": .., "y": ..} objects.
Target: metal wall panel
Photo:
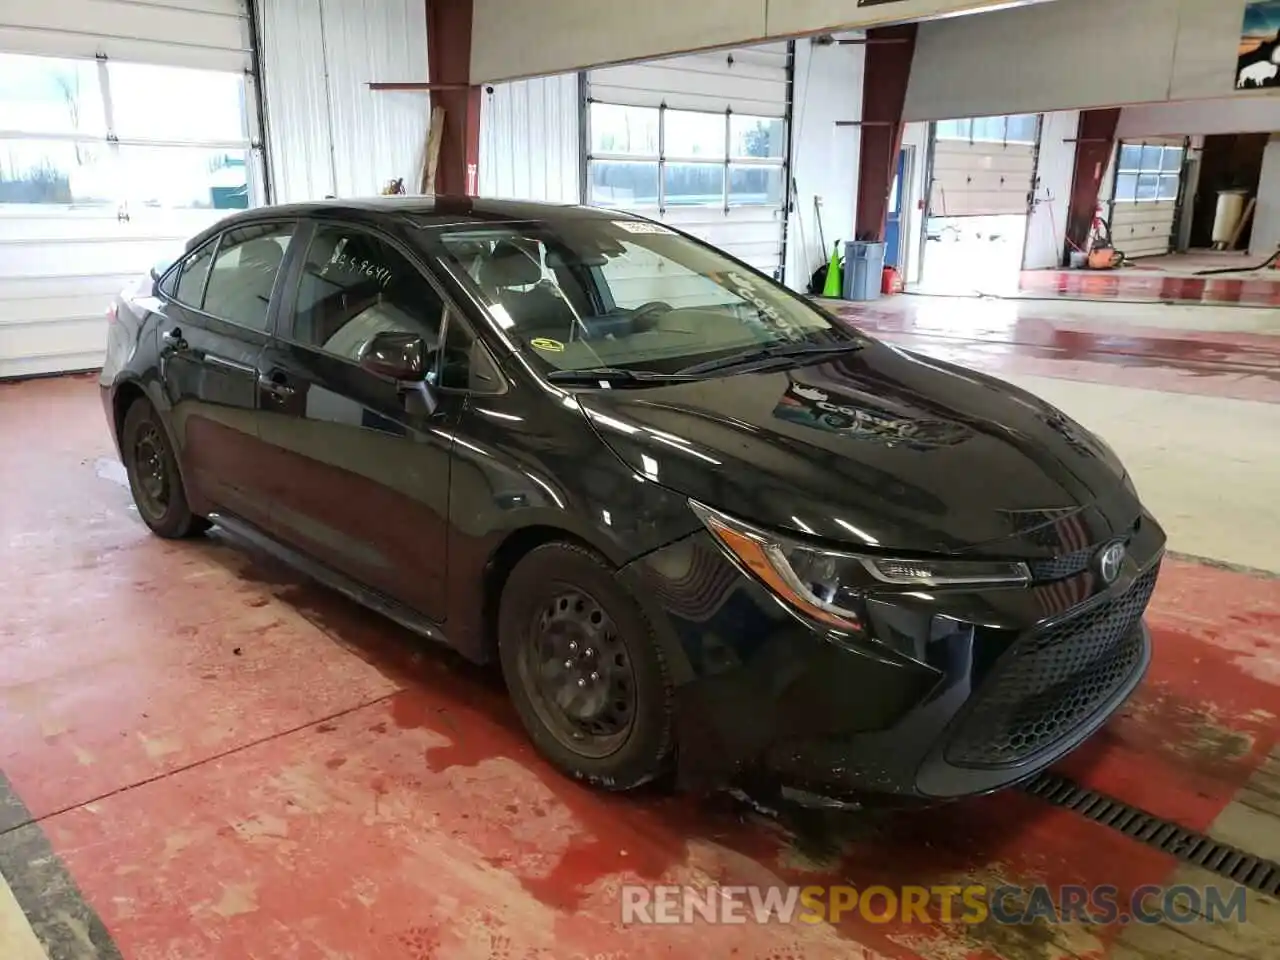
[
  {"x": 327, "y": 132},
  {"x": 210, "y": 34},
  {"x": 530, "y": 140}
]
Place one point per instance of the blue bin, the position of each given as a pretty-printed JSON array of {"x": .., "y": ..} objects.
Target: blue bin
[{"x": 863, "y": 269}]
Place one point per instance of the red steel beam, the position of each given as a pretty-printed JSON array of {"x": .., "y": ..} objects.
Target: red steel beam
[
  {"x": 1095, "y": 139},
  {"x": 449, "y": 73},
  {"x": 884, "y": 91}
]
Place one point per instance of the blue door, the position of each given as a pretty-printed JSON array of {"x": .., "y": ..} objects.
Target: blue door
[{"x": 893, "y": 222}]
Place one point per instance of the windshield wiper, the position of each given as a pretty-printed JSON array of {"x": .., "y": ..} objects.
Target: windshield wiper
[
  {"x": 593, "y": 376},
  {"x": 777, "y": 353}
]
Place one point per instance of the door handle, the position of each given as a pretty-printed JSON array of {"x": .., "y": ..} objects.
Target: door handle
[
  {"x": 276, "y": 384},
  {"x": 174, "y": 339}
]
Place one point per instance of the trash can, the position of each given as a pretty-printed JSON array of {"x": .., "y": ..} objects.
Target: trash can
[{"x": 863, "y": 269}]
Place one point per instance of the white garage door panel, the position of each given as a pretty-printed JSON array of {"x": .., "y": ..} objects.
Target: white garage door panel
[
  {"x": 754, "y": 83},
  {"x": 61, "y": 261},
  {"x": 89, "y": 257},
  {"x": 61, "y": 305},
  {"x": 753, "y": 234},
  {"x": 204, "y": 33},
  {"x": 72, "y": 338},
  {"x": 33, "y": 297},
  {"x": 1142, "y": 229},
  {"x": 750, "y": 82},
  {"x": 980, "y": 179},
  {"x": 54, "y": 290}
]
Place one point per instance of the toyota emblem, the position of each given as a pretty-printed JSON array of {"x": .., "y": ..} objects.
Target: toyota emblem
[{"x": 1110, "y": 560}]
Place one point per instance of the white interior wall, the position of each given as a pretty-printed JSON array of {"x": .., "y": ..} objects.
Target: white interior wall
[
  {"x": 1266, "y": 218},
  {"x": 824, "y": 157},
  {"x": 1055, "y": 169},
  {"x": 530, "y": 146},
  {"x": 327, "y": 132},
  {"x": 1075, "y": 54},
  {"x": 1108, "y": 185},
  {"x": 1248, "y": 114}
]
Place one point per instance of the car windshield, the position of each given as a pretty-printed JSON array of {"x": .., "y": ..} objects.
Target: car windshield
[{"x": 592, "y": 293}]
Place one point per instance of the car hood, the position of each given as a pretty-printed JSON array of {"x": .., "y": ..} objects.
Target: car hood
[{"x": 880, "y": 449}]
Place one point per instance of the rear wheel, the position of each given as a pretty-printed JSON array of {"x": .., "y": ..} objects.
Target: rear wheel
[
  {"x": 583, "y": 668},
  {"x": 153, "y": 473}
]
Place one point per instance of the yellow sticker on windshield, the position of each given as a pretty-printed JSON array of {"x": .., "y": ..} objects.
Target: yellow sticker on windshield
[{"x": 551, "y": 346}]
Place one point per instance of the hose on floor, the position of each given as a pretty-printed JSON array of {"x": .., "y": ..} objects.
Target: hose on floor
[{"x": 1220, "y": 270}]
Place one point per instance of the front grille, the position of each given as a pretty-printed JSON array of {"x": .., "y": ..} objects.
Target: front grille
[
  {"x": 1048, "y": 684},
  {"x": 1058, "y": 568}
]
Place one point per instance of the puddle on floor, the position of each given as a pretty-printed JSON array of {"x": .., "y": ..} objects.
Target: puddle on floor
[{"x": 111, "y": 469}]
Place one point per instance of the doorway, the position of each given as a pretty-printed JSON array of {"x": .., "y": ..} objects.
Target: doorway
[
  {"x": 897, "y": 229},
  {"x": 981, "y": 175},
  {"x": 1230, "y": 161}
]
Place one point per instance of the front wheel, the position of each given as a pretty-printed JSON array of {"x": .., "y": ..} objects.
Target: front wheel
[
  {"x": 153, "y": 473},
  {"x": 583, "y": 668}
]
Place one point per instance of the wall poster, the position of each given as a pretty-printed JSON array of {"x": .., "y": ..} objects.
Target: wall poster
[{"x": 1259, "y": 60}]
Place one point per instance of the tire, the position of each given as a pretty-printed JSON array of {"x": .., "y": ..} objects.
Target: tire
[
  {"x": 538, "y": 618},
  {"x": 154, "y": 478}
]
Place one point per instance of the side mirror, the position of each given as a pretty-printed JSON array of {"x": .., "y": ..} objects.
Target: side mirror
[{"x": 398, "y": 356}]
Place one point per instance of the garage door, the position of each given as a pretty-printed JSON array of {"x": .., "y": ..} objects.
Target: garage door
[
  {"x": 126, "y": 129},
  {"x": 699, "y": 142},
  {"x": 983, "y": 166},
  {"x": 1144, "y": 205}
]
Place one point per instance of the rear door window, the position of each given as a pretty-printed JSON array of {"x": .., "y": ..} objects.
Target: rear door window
[
  {"x": 244, "y": 274},
  {"x": 191, "y": 276}
]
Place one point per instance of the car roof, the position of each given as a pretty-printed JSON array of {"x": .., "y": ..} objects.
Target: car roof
[{"x": 428, "y": 212}]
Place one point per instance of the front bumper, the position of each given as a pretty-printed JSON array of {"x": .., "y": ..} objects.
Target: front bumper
[{"x": 1010, "y": 679}]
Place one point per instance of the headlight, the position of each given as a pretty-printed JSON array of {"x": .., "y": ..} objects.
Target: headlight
[{"x": 828, "y": 584}]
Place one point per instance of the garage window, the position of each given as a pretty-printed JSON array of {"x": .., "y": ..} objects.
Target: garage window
[
  {"x": 662, "y": 157},
  {"x": 104, "y": 133},
  {"x": 1148, "y": 172},
  {"x": 1018, "y": 128}
]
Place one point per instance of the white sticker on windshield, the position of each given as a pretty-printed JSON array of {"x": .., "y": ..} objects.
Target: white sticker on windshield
[{"x": 640, "y": 226}]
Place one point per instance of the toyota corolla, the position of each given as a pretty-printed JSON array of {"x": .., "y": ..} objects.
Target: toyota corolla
[{"x": 702, "y": 525}]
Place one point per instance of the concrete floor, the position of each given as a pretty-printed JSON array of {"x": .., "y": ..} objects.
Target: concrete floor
[{"x": 202, "y": 756}]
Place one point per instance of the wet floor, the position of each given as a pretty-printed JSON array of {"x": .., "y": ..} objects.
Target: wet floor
[
  {"x": 1246, "y": 288},
  {"x": 1094, "y": 343}
]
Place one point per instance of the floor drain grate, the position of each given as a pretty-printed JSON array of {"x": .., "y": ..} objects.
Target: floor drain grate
[{"x": 1187, "y": 845}]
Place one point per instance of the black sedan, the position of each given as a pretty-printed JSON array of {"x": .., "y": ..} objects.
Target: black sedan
[{"x": 703, "y": 525}]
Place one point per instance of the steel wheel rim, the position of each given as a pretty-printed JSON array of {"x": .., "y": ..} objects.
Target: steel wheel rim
[
  {"x": 151, "y": 478},
  {"x": 578, "y": 672}
]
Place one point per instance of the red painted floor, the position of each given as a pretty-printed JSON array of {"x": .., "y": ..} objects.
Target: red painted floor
[
  {"x": 1041, "y": 339},
  {"x": 234, "y": 764},
  {"x": 1146, "y": 285}
]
